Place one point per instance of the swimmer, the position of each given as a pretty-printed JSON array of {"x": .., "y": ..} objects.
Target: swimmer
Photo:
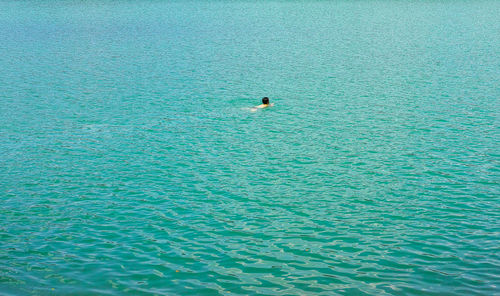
[{"x": 265, "y": 104}]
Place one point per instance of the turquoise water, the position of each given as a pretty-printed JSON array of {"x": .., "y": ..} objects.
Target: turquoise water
[{"x": 131, "y": 164}]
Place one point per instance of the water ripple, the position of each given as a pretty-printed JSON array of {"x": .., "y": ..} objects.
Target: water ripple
[{"x": 130, "y": 163}]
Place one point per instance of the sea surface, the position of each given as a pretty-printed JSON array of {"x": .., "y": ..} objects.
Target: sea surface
[{"x": 131, "y": 163}]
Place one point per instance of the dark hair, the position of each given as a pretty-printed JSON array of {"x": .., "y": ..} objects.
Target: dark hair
[{"x": 265, "y": 100}]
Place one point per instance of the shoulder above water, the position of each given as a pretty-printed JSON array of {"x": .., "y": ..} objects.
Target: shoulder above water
[{"x": 262, "y": 106}]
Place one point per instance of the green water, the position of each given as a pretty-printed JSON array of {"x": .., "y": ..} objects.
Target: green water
[{"x": 130, "y": 163}]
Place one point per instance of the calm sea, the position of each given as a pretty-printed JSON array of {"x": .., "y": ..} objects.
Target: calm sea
[{"x": 130, "y": 162}]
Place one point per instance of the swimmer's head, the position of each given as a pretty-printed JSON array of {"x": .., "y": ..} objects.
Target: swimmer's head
[{"x": 265, "y": 100}]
